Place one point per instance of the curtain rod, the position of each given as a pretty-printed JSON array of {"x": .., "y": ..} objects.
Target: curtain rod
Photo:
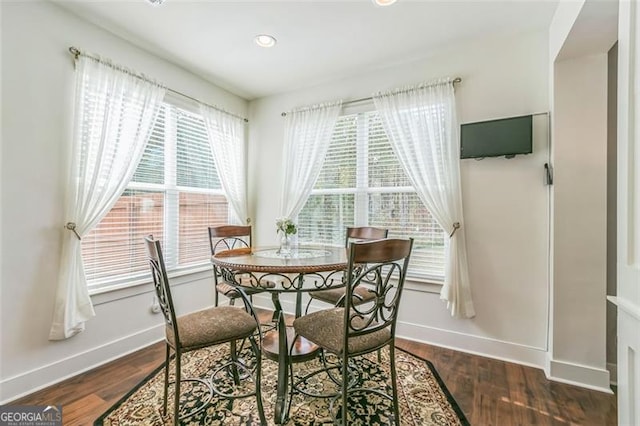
[
  {"x": 353, "y": 101},
  {"x": 77, "y": 52}
]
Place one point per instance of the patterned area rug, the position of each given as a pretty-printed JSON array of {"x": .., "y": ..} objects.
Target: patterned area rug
[{"x": 424, "y": 399}]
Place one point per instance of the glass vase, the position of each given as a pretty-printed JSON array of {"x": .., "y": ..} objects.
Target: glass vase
[{"x": 285, "y": 245}]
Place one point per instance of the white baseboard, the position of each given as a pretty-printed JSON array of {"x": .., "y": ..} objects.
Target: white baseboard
[
  {"x": 476, "y": 345},
  {"x": 579, "y": 375},
  {"x": 31, "y": 381}
]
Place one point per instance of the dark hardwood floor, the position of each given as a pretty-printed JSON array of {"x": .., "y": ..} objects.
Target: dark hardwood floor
[{"x": 490, "y": 392}]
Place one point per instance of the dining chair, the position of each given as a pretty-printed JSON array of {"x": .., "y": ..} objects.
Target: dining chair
[
  {"x": 197, "y": 330},
  {"x": 356, "y": 329},
  {"x": 335, "y": 296},
  {"x": 230, "y": 237}
]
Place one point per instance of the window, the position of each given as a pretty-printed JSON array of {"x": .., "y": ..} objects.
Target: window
[
  {"x": 175, "y": 194},
  {"x": 363, "y": 184}
]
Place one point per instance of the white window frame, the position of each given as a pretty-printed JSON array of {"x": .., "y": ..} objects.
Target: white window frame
[
  {"x": 171, "y": 192},
  {"x": 361, "y": 194}
]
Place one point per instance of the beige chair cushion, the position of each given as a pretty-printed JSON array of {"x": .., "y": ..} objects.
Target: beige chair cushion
[
  {"x": 326, "y": 328},
  {"x": 231, "y": 292},
  {"x": 212, "y": 326},
  {"x": 333, "y": 295}
]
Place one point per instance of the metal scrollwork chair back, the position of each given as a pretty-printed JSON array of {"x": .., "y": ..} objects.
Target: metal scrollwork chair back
[
  {"x": 223, "y": 238},
  {"x": 357, "y": 329},
  {"x": 161, "y": 283},
  {"x": 335, "y": 296}
]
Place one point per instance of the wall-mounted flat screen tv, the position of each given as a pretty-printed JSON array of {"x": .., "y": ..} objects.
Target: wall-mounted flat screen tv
[{"x": 495, "y": 138}]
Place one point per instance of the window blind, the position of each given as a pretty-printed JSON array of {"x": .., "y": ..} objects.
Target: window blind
[
  {"x": 175, "y": 194},
  {"x": 363, "y": 184},
  {"x": 201, "y": 202},
  {"x": 114, "y": 247},
  {"x": 330, "y": 207}
]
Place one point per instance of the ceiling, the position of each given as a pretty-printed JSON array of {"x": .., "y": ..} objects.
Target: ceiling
[{"x": 318, "y": 40}]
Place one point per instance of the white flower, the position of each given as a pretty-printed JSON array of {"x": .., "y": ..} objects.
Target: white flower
[{"x": 286, "y": 226}]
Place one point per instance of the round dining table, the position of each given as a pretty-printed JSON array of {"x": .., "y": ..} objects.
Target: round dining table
[{"x": 304, "y": 269}]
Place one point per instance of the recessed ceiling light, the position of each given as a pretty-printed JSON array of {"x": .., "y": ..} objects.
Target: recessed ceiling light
[
  {"x": 265, "y": 40},
  {"x": 384, "y": 2},
  {"x": 156, "y": 2}
]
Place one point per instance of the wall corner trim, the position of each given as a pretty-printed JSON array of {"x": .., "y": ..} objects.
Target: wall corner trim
[{"x": 585, "y": 376}]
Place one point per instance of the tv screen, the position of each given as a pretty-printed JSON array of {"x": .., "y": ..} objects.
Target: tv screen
[{"x": 495, "y": 138}]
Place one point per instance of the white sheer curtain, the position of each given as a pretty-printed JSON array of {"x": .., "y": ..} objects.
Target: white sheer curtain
[
  {"x": 307, "y": 137},
  {"x": 227, "y": 140},
  {"x": 422, "y": 127},
  {"x": 114, "y": 115}
]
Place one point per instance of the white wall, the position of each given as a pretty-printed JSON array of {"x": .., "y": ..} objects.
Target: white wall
[
  {"x": 505, "y": 201},
  {"x": 564, "y": 19},
  {"x": 628, "y": 214},
  {"x": 37, "y": 86},
  {"x": 612, "y": 225},
  {"x": 581, "y": 34},
  {"x": 580, "y": 216}
]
